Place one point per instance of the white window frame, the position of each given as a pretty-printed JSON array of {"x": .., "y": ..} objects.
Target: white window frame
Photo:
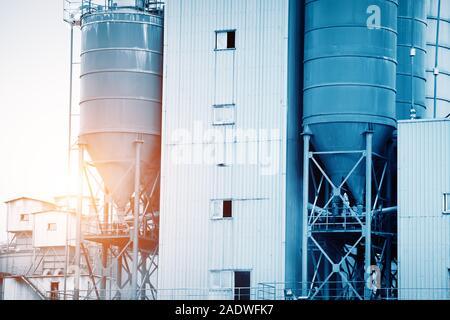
[
  {"x": 225, "y": 277},
  {"x": 216, "y": 209},
  {"x": 25, "y": 216},
  {"x": 222, "y": 107},
  {"x": 225, "y": 32},
  {"x": 52, "y": 227},
  {"x": 446, "y": 204}
]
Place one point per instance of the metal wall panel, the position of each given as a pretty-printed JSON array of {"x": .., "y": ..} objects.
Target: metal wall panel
[
  {"x": 64, "y": 232},
  {"x": 423, "y": 229},
  {"x": 23, "y": 206},
  {"x": 192, "y": 245},
  {"x": 17, "y": 290},
  {"x": 16, "y": 262}
]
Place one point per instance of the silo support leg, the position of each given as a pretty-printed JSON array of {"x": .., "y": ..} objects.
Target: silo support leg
[
  {"x": 305, "y": 233},
  {"x": 119, "y": 273},
  {"x": 135, "y": 233},
  {"x": 368, "y": 228}
]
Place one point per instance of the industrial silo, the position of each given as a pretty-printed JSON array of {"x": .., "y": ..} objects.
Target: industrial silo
[
  {"x": 438, "y": 58},
  {"x": 349, "y": 118},
  {"x": 411, "y": 54},
  {"x": 121, "y": 94}
]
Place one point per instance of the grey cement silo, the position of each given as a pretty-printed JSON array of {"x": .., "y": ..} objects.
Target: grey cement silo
[{"x": 121, "y": 94}]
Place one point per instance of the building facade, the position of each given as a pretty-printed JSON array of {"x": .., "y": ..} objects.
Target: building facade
[
  {"x": 424, "y": 209},
  {"x": 231, "y": 158}
]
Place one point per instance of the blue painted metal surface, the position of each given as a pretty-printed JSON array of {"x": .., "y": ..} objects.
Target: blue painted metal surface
[
  {"x": 438, "y": 66},
  {"x": 411, "y": 75},
  {"x": 350, "y": 75},
  {"x": 121, "y": 94}
]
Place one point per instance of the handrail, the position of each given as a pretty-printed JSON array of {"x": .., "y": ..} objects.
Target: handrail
[
  {"x": 74, "y": 10},
  {"x": 274, "y": 292}
]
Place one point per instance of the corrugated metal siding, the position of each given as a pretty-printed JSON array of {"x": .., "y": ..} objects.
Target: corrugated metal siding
[
  {"x": 17, "y": 290},
  {"x": 191, "y": 244},
  {"x": 42, "y": 237},
  {"x": 23, "y": 206},
  {"x": 423, "y": 231},
  {"x": 260, "y": 62},
  {"x": 16, "y": 262}
]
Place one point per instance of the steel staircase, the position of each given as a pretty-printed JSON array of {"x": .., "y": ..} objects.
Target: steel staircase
[{"x": 33, "y": 287}]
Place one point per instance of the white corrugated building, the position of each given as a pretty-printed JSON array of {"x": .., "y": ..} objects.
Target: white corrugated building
[
  {"x": 424, "y": 209},
  {"x": 16, "y": 256},
  {"x": 54, "y": 229},
  {"x": 231, "y": 157},
  {"x": 19, "y": 213}
]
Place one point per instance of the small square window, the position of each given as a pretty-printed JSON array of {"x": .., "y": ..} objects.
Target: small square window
[
  {"x": 51, "y": 227},
  {"x": 446, "y": 204},
  {"x": 221, "y": 209},
  {"x": 225, "y": 40},
  {"x": 24, "y": 217}
]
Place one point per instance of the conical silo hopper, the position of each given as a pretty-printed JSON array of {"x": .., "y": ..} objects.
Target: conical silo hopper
[
  {"x": 121, "y": 93},
  {"x": 350, "y": 72}
]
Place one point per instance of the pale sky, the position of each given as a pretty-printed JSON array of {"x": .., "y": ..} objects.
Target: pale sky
[{"x": 34, "y": 83}]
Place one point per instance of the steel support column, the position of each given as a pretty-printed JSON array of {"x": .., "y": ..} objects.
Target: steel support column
[
  {"x": 78, "y": 226},
  {"x": 305, "y": 232},
  {"x": 119, "y": 270},
  {"x": 135, "y": 234},
  {"x": 368, "y": 227},
  {"x": 69, "y": 157},
  {"x": 105, "y": 248}
]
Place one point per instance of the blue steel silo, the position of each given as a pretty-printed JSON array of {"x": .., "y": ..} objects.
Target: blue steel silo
[
  {"x": 412, "y": 51},
  {"x": 438, "y": 59},
  {"x": 349, "y": 119}
]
